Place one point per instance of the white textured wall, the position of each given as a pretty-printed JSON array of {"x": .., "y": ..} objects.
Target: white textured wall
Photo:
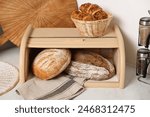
[{"x": 127, "y": 14}]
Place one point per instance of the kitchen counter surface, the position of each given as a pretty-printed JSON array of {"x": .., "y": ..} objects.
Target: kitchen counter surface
[{"x": 134, "y": 90}]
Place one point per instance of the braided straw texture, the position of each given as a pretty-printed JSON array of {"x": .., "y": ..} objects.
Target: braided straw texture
[
  {"x": 93, "y": 28},
  {"x": 16, "y": 15},
  {"x": 9, "y": 77}
]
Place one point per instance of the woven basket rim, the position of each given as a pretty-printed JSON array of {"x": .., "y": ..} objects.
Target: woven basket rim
[{"x": 110, "y": 16}]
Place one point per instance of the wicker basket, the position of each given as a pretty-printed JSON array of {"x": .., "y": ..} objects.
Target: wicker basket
[{"x": 93, "y": 28}]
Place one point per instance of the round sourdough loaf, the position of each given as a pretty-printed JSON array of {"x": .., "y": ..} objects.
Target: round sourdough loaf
[
  {"x": 51, "y": 62},
  {"x": 94, "y": 59}
]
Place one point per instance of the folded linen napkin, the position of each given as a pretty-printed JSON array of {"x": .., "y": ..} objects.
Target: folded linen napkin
[{"x": 61, "y": 88}]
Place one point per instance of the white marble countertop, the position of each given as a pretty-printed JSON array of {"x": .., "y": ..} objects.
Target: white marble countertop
[{"x": 134, "y": 90}]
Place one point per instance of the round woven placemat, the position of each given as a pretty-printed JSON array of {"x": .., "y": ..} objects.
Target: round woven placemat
[{"x": 9, "y": 77}]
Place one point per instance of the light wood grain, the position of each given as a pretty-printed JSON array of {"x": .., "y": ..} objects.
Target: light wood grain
[
  {"x": 24, "y": 55},
  {"x": 16, "y": 15},
  {"x": 64, "y": 32},
  {"x": 121, "y": 57},
  {"x": 98, "y": 84},
  {"x": 73, "y": 43},
  {"x": 50, "y": 39},
  {"x": 69, "y": 38}
]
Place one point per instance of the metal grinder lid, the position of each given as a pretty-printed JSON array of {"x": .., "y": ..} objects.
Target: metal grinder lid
[{"x": 145, "y": 21}]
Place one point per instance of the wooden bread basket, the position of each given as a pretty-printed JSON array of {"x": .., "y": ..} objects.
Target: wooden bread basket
[{"x": 41, "y": 38}]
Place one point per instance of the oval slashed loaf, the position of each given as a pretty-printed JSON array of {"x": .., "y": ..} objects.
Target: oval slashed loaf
[
  {"x": 94, "y": 59},
  {"x": 91, "y": 66},
  {"x": 51, "y": 62},
  {"x": 87, "y": 71}
]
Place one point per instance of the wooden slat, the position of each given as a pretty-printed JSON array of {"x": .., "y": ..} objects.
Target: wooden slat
[
  {"x": 64, "y": 32},
  {"x": 121, "y": 57},
  {"x": 24, "y": 54},
  {"x": 110, "y": 83},
  {"x": 73, "y": 43},
  {"x": 97, "y": 84}
]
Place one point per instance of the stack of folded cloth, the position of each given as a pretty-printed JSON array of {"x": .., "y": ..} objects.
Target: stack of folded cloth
[{"x": 60, "y": 88}]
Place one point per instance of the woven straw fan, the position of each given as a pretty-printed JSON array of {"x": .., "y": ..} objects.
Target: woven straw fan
[
  {"x": 16, "y": 15},
  {"x": 9, "y": 77}
]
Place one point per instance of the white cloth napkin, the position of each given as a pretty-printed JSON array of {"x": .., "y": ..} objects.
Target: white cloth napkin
[{"x": 60, "y": 88}]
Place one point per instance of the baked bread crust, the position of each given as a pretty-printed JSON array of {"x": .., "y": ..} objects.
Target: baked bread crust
[
  {"x": 100, "y": 14},
  {"x": 82, "y": 16},
  {"x": 88, "y": 71},
  {"x": 94, "y": 59},
  {"x": 84, "y": 7},
  {"x": 89, "y": 12},
  {"x": 93, "y": 8},
  {"x": 50, "y": 63}
]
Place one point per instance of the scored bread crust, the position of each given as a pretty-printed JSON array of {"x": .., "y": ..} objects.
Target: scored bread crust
[
  {"x": 88, "y": 71},
  {"x": 51, "y": 62},
  {"x": 94, "y": 59}
]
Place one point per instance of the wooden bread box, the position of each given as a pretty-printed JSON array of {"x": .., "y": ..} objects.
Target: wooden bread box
[{"x": 70, "y": 38}]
